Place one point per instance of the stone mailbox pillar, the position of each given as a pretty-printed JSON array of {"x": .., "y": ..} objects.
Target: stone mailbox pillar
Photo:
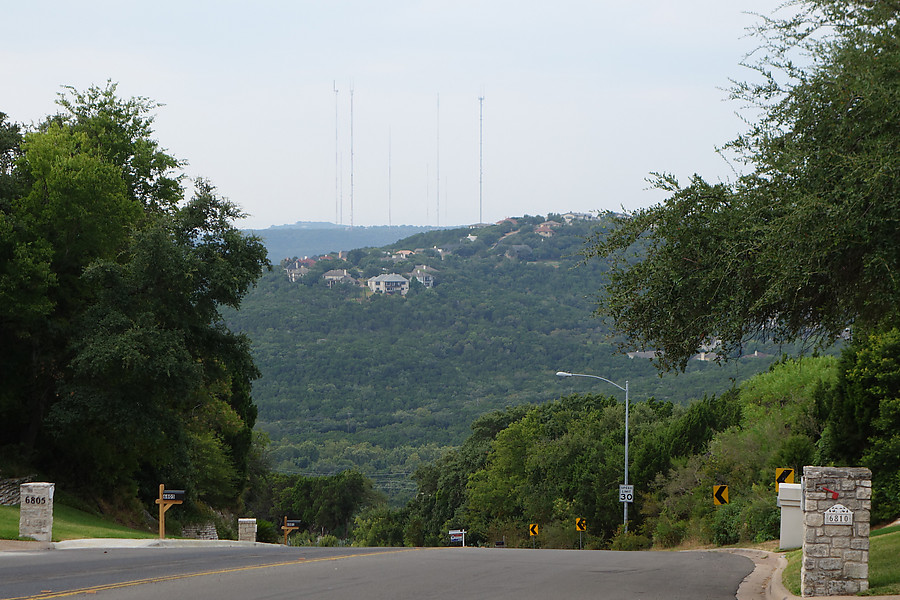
[
  {"x": 790, "y": 500},
  {"x": 36, "y": 511},
  {"x": 246, "y": 530},
  {"x": 836, "y": 507}
]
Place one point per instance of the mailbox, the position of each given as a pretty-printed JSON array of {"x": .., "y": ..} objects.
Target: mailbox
[
  {"x": 173, "y": 495},
  {"x": 292, "y": 524}
]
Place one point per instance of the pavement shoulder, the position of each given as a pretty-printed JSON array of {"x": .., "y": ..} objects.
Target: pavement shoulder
[{"x": 24, "y": 546}]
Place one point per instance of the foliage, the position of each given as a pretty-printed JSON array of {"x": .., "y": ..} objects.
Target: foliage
[
  {"x": 803, "y": 245},
  {"x": 863, "y": 408},
  {"x": 386, "y": 384},
  {"x": 118, "y": 369},
  {"x": 325, "y": 505}
]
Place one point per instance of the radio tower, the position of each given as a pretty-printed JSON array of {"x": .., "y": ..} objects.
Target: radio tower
[
  {"x": 480, "y": 155},
  {"x": 351, "y": 156},
  {"x": 438, "y": 175},
  {"x": 337, "y": 186},
  {"x": 389, "y": 176}
]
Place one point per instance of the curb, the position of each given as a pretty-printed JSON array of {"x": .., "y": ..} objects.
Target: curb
[{"x": 764, "y": 583}]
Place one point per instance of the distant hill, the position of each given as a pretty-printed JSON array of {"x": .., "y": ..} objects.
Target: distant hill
[
  {"x": 383, "y": 383},
  {"x": 309, "y": 238}
]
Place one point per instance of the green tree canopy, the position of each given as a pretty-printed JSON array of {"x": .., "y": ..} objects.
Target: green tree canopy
[
  {"x": 118, "y": 369},
  {"x": 807, "y": 242}
]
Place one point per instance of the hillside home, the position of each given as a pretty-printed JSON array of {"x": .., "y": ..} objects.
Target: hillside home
[
  {"x": 574, "y": 216},
  {"x": 392, "y": 283},
  {"x": 336, "y": 276},
  {"x": 295, "y": 270},
  {"x": 424, "y": 274},
  {"x": 403, "y": 254}
]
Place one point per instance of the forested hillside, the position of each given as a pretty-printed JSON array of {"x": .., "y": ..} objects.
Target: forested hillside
[{"x": 351, "y": 378}]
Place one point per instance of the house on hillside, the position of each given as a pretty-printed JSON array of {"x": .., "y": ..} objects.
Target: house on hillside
[
  {"x": 338, "y": 276},
  {"x": 544, "y": 230},
  {"x": 424, "y": 274},
  {"x": 295, "y": 270},
  {"x": 574, "y": 216},
  {"x": 403, "y": 254},
  {"x": 392, "y": 283}
]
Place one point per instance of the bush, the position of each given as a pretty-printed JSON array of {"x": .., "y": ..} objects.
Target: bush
[
  {"x": 265, "y": 532},
  {"x": 728, "y": 524},
  {"x": 669, "y": 533},
  {"x": 629, "y": 541},
  {"x": 329, "y": 541}
]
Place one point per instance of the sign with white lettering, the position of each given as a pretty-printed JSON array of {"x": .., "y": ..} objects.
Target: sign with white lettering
[{"x": 838, "y": 515}]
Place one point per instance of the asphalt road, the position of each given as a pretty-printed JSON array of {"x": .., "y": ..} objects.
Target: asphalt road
[{"x": 274, "y": 572}]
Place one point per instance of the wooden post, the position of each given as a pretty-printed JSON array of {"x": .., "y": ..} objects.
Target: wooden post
[
  {"x": 287, "y": 529},
  {"x": 167, "y": 499}
]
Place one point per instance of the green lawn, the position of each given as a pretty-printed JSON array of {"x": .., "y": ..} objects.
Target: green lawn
[
  {"x": 884, "y": 568},
  {"x": 70, "y": 524}
]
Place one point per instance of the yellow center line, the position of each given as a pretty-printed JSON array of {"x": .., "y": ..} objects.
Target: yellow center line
[{"x": 136, "y": 582}]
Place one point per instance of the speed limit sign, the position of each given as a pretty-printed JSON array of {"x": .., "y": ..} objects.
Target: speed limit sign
[{"x": 626, "y": 493}]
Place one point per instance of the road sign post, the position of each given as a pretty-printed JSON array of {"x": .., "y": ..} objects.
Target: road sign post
[
  {"x": 167, "y": 499},
  {"x": 580, "y": 527},
  {"x": 783, "y": 476},
  {"x": 533, "y": 532},
  {"x": 458, "y": 535},
  {"x": 720, "y": 495}
]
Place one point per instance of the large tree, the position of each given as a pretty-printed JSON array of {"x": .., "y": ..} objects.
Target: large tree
[
  {"x": 118, "y": 369},
  {"x": 807, "y": 241}
]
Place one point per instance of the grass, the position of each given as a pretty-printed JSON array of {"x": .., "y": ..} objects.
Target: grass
[
  {"x": 884, "y": 568},
  {"x": 70, "y": 524}
]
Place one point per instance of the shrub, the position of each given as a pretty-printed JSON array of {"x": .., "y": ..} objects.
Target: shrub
[{"x": 630, "y": 541}]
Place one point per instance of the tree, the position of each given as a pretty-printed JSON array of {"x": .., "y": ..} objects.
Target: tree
[
  {"x": 118, "y": 369},
  {"x": 806, "y": 243}
]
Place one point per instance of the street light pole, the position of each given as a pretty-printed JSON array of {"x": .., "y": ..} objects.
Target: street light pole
[{"x": 625, "y": 389}]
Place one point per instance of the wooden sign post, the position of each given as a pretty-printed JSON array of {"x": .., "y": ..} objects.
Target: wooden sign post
[
  {"x": 167, "y": 499},
  {"x": 288, "y": 527}
]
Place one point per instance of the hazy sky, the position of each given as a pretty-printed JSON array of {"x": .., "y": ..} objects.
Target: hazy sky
[{"x": 582, "y": 99}]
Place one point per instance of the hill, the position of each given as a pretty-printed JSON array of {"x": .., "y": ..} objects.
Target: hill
[
  {"x": 383, "y": 383},
  {"x": 306, "y": 238}
]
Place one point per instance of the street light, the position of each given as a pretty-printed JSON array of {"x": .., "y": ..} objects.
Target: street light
[{"x": 625, "y": 389}]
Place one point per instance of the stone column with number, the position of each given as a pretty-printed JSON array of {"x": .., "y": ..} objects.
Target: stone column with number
[
  {"x": 36, "y": 511},
  {"x": 836, "y": 507}
]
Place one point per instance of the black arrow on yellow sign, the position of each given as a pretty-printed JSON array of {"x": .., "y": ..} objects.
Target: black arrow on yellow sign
[
  {"x": 720, "y": 494},
  {"x": 783, "y": 476},
  {"x": 580, "y": 524},
  {"x": 533, "y": 528}
]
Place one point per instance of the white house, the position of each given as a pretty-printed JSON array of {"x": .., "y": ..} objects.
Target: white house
[{"x": 392, "y": 283}]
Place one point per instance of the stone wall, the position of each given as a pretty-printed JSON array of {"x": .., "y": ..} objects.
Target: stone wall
[
  {"x": 9, "y": 490},
  {"x": 202, "y": 531},
  {"x": 836, "y": 508}
]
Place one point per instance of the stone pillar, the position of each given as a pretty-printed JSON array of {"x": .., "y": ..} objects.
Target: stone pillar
[
  {"x": 36, "y": 511},
  {"x": 246, "y": 530},
  {"x": 836, "y": 507}
]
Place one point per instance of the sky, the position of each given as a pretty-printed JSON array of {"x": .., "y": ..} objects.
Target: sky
[{"x": 582, "y": 99}]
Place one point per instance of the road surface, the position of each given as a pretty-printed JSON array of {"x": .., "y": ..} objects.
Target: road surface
[{"x": 276, "y": 572}]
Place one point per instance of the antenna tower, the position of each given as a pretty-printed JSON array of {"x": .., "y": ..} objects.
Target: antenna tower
[
  {"x": 480, "y": 156},
  {"x": 351, "y": 156},
  {"x": 337, "y": 162},
  {"x": 438, "y": 174},
  {"x": 389, "y": 176}
]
